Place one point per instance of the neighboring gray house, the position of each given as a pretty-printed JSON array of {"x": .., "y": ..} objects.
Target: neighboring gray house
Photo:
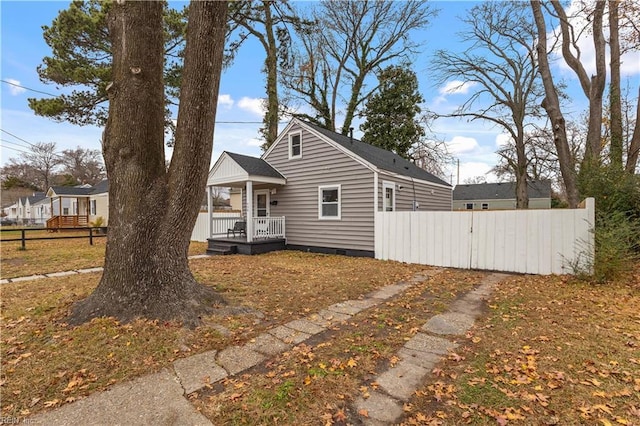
[
  {"x": 500, "y": 196},
  {"x": 326, "y": 187}
]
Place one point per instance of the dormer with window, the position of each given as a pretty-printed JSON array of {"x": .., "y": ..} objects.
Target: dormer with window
[{"x": 295, "y": 145}]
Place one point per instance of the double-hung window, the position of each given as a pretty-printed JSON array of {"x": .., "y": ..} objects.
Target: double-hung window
[
  {"x": 295, "y": 146},
  {"x": 329, "y": 202},
  {"x": 93, "y": 207}
]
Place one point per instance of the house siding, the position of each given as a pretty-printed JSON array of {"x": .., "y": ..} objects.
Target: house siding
[
  {"x": 102, "y": 208},
  {"x": 508, "y": 204},
  {"x": 429, "y": 196},
  {"x": 322, "y": 164}
]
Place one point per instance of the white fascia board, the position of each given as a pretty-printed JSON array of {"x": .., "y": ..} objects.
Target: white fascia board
[{"x": 265, "y": 179}]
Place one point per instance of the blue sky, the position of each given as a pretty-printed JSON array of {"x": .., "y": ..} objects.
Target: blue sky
[{"x": 22, "y": 49}]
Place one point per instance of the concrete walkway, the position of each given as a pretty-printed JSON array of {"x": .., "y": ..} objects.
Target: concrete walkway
[
  {"x": 67, "y": 273},
  {"x": 421, "y": 353},
  {"x": 160, "y": 399}
]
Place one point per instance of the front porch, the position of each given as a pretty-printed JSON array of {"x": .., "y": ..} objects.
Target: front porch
[
  {"x": 267, "y": 235},
  {"x": 260, "y": 232}
]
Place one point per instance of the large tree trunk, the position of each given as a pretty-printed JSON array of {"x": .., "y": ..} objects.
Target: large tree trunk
[
  {"x": 634, "y": 146},
  {"x": 152, "y": 211},
  {"x": 551, "y": 104},
  {"x": 593, "y": 87},
  {"x": 615, "y": 103},
  {"x": 271, "y": 65},
  {"x": 522, "y": 194}
]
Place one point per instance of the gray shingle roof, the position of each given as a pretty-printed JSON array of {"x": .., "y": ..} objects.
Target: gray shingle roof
[
  {"x": 101, "y": 187},
  {"x": 37, "y": 196},
  {"x": 255, "y": 166},
  {"x": 500, "y": 191},
  {"x": 72, "y": 190},
  {"x": 379, "y": 157}
]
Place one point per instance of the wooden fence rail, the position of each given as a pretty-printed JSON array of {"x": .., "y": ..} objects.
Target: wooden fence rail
[{"x": 92, "y": 233}]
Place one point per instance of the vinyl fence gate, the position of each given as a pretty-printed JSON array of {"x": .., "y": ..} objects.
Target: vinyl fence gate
[{"x": 525, "y": 241}]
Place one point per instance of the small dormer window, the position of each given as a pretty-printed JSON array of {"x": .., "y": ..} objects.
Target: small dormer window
[{"x": 295, "y": 146}]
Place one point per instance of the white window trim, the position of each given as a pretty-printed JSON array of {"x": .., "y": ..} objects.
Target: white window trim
[
  {"x": 388, "y": 184},
  {"x": 291, "y": 135},
  {"x": 322, "y": 188}
]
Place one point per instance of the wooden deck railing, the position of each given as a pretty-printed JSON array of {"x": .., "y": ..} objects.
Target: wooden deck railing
[{"x": 67, "y": 221}]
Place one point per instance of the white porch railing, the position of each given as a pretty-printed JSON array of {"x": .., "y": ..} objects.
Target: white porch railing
[
  {"x": 268, "y": 227},
  {"x": 220, "y": 225}
]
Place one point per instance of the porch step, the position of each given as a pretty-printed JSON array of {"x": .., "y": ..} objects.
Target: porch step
[{"x": 222, "y": 249}]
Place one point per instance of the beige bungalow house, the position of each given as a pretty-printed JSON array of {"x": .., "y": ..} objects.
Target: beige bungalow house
[{"x": 317, "y": 190}]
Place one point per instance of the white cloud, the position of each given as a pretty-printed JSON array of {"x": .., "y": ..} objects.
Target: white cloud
[
  {"x": 462, "y": 145},
  {"x": 502, "y": 139},
  {"x": 252, "y": 105},
  {"x": 255, "y": 142},
  {"x": 471, "y": 169},
  {"x": 14, "y": 88},
  {"x": 225, "y": 101},
  {"x": 456, "y": 87}
]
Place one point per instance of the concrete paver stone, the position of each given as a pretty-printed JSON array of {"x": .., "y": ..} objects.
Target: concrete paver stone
[
  {"x": 305, "y": 326},
  {"x": 389, "y": 291},
  {"x": 268, "y": 345},
  {"x": 402, "y": 380},
  {"x": 326, "y": 318},
  {"x": 156, "y": 399},
  {"x": 450, "y": 323},
  {"x": 432, "y": 344},
  {"x": 196, "y": 371},
  {"x": 61, "y": 274},
  {"x": 422, "y": 359},
  {"x": 353, "y": 307},
  {"x": 380, "y": 408},
  {"x": 289, "y": 335},
  {"x": 89, "y": 270},
  {"x": 238, "y": 358},
  {"x": 29, "y": 278}
]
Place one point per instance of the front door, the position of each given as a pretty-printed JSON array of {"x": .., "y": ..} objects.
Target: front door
[{"x": 261, "y": 203}]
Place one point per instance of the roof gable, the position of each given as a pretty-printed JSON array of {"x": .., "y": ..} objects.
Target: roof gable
[
  {"x": 231, "y": 168},
  {"x": 500, "y": 191},
  {"x": 374, "y": 156}
]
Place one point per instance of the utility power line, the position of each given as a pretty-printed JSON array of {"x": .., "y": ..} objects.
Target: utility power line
[
  {"x": 51, "y": 94},
  {"x": 26, "y": 88}
]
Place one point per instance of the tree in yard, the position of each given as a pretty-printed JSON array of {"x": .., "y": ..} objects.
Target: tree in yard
[
  {"x": 83, "y": 165},
  {"x": 17, "y": 174},
  {"x": 36, "y": 168},
  {"x": 350, "y": 41},
  {"x": 502, "y": 64},
  {"x": 391, "y": 113},
  {"x": 152, "y": 209},
  {"x": 266, "y": 21},
  {"x": 551, "y": 104},
  {"x": 82, "y": 55},
  {"x": 593, "y": 87}
]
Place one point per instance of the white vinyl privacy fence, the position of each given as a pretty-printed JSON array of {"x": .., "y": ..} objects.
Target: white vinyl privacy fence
[
  {"x": 526, "y": 241},
  {"x": 201, "y": 229}
]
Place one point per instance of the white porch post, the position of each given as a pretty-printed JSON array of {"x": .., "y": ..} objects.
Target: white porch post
[
  {"x": 249, "y": 215},
  {"x": 209, "y": 211}
]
